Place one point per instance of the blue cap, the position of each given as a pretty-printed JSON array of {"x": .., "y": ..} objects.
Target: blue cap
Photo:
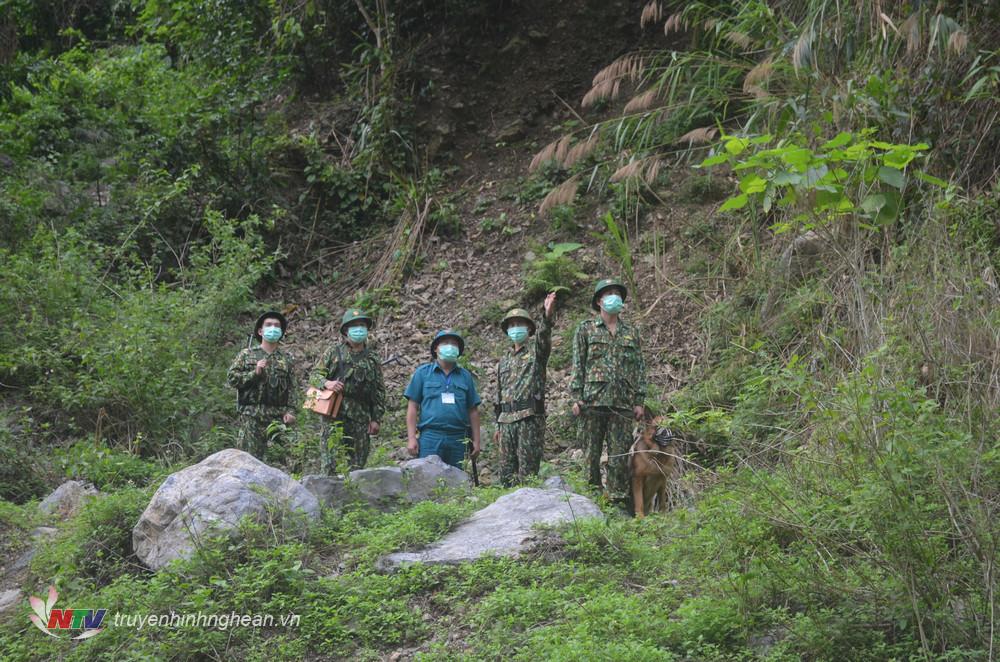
[{"x": 447, "y": 333}]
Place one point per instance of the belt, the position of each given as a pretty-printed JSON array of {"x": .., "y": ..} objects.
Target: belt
[{"x": 520, "y": 405}]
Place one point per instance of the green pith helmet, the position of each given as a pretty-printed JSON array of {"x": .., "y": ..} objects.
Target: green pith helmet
[
  {"x": 515, "y": 314},
  {"x": 353, "y": 315},
  {"x": 447, "y": 333},
  {"x": 604, "y": 284}
]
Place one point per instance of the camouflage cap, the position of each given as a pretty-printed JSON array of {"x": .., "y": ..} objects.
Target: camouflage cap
[
  {"x": 604, "y": 284},
  {"x": 353, "y": 315},
  {"x": 515, "y": 314}
]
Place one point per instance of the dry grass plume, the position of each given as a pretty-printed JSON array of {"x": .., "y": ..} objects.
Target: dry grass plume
[{"x": 560, "y": 195}]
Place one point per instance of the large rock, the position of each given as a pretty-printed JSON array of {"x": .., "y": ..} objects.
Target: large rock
[
  {"x": 417, "y": 480},
  {"x": 504, "y": 528},
  {"x": 210, "y": 498},
  {"x": 330, "y": 491},
  {"x": 381, "y": 486},
  {"x": 65, "y": 500},
  {"x": 428, "y": 476}
]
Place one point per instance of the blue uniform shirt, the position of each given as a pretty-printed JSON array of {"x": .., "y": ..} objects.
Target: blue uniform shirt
[{"x": 444, "y": 400}]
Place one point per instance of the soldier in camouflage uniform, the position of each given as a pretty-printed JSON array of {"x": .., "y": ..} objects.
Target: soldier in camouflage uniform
[
  {"x": 520, "y": 403},
  {"x": 262, "y": 376},
  {"x": 608, "y": 386},
  {"x": 354, "y": 368}
]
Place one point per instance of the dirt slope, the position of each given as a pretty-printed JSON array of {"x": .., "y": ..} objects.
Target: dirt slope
[{"x": 495, "y": 102}]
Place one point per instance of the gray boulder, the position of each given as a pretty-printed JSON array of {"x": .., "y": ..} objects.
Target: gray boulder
[
  {"x": 330, "y": 491},
  {"x": 65, "y": 500},
  {"x": 428, "y": 476},
  {"x": 210, "y": 498},
  {"x": 381, "y": 486},
  {"x": 504, "y": 528},
  {"x": 555, "y": 483},
  {"x": 417, "y": 480}
]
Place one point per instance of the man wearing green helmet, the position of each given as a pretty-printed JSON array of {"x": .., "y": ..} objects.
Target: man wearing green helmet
[
  {"x": 262, "y": 376},
  {"x": 608, "y": 386},
  {"x": 353, "y": 368},
  {"x": 520, "y": 404},
  {"x": 443, "y": 404}
]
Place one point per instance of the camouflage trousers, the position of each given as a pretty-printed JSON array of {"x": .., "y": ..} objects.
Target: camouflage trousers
[
  {"x": 253, "y": 423},
  {"x": 614, "y": 428},
  {"x": 521, "y": 446},
  {"x": 354, "y": 441}
]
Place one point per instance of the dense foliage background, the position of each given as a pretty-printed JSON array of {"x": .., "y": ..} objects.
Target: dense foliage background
[{"x": 159, "y": 174}]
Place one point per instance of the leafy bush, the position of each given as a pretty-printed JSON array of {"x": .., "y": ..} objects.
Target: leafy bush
[
  {"x": 131, "y": 355},
  {"x": 105, "y": 467},
  {"x": 96, "y": 547}
]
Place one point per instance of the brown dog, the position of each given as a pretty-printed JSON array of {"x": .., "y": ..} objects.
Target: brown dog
[{"x": 654, "y": 458}]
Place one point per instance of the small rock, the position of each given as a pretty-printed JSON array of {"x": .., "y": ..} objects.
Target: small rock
[
  {"x": 9, "y": 599},
  {"x": 510, "y": 132},
  {"x": 555, "y": 483},
  {"x": 44, "y": 532},
  {"x": 66, "y": 499},
  {"x": 537, "y": 36},
  {"x": 514, "y": 45}
]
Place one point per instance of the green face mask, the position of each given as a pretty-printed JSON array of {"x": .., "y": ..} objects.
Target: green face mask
[
  {"x": 357, "y": 334},
  {"x": 448, "y": 353},
  {"x": 517, "y": 334},
  {"x": 271, "y": 333}
]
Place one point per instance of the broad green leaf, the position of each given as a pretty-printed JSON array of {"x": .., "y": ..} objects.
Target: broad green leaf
[
  {"x": 762, "y": 140},
  {"x": 797, "y": 157},
  {"x": 563, "y": 248},
  {"x": 713, "y": 160},
  {"x": 834, "y": 201},
  {"x": 892, "y": 177},
  {"x": 856, "y": 152},
  {"x": 842, "y": 139},
  {"x": 815, "y": 175},
  {"x": 752, "y": 184},
  {"x": 735, "y": 202},
  {"x": 931, "y": 179},
  {"x": 890, "y": 210},
  {"x": 873, "y": 203},
  {"x": 899, "y": 158},
  {"x": 736, "y": 145},
  {"x": 785, "y": 178}
]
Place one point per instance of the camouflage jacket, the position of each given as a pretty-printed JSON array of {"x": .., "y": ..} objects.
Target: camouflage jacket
[
  {"x": 361, "y": 372},
  {"x": 272, "y": 389},
  {"x": 608, "y": 370},
  {"x": 521, "y": 374}
]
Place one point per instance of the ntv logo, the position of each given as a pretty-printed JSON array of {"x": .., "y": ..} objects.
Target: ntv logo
[{"x": 46, "y": 618}]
